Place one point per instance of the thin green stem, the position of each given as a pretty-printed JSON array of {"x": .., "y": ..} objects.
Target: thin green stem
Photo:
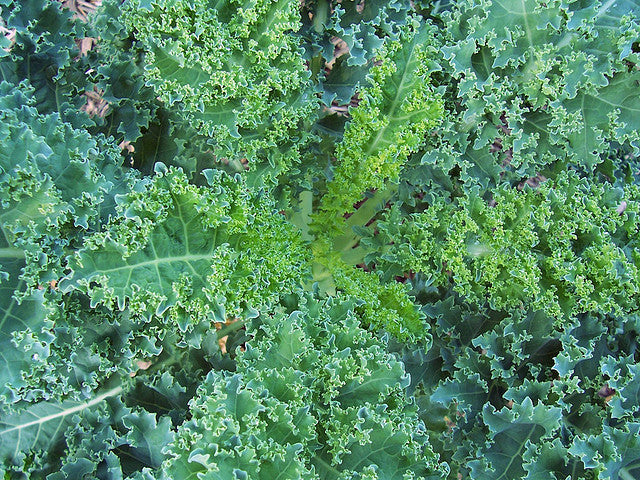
[
  {"x": 362, "y": 216},
  {"x": 327, "y": 466},
  {"x": 320, "y": 16},
  {"x": 9, "y": 252},
  {"x": 232, "y": 327},
  {"x": 302, "y": 217},
  {"x": 354, "y": 256},
  {"x": 624, "y": 474}
]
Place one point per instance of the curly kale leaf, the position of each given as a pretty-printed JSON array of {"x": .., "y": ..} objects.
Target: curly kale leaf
[
  {"x": 33, "y": 429},
  {"x": 57, "y": 183},
  {"x": 191, "y": 255},
  {"x": 395, "y": 114},
  {"x": 511, "y": 432},
  {"x": 23, "y": 325},
  {"x": 44, "y": 53},
  {"x": 61, "y": 439},
  {"x": 565, "y": 248},
  {"x": 235, "y": 69},
  {"x": 539, "y": 85},
  {"x": 342, "y": 38},
  {"x": 489, "y": 372},
  {"x": 315, "y": 396}
]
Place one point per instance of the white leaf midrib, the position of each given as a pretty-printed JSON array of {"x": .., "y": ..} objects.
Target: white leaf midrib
[{"x": 64, "y": 413}]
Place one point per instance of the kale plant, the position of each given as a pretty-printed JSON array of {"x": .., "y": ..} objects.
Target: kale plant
[{"x": 324, "y": 239}]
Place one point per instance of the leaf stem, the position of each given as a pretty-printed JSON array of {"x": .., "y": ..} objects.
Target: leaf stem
[
  {"x": 326, "y": 465},
  {"x": 232, "y": 327},
  {"x": 320, "y": 16},
  {"x": 624, "y": 474},
  {"x": 363, "y": 215},
  {"x": 78, "y": 408},
  {"x": 11, "y": 253}
]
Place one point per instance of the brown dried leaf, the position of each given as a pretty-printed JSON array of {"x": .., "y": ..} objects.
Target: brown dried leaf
[
  {"x": 85, "y": 44},
  {"x": 82, "y": 8},
  {"x": 606, "y": 392},
  {"x": 622, "y": 207},
  {"x": 222, "y": 342},
  {"x": 96, "y": 105},
  {"x": 9, "y": 33},
  {"x": 340, "y": 49},
  {"x": 533, "y": 182},
  {"x": 143, "y": 365},
  {"x": 126, "y": 145}
]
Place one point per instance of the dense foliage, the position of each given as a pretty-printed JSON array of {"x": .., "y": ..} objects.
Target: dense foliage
[{"x": 320, "y": 240}]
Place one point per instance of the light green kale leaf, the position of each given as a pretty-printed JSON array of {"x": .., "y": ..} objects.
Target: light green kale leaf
[
  {"x": 395, "y": 114},
  {"x": 566, "y": 248}
]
